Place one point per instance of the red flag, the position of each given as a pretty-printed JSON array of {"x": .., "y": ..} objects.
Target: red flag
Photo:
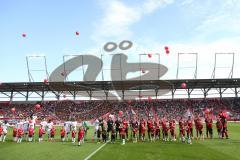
[
  {"x": 149, "y": 55},
  {"x": 77, "y": 33}
]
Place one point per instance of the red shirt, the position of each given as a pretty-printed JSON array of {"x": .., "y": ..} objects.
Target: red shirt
[
  {"x": 181, "y": 124},
  {"x": 20, "y": 132},
  {"x": 81, "y": 133},
  {"x": 41, "y": 131},
  {"x": 142, "y": 122},
  {"x": 149, "y": 124},
  {"x": 122, "y": 129},
  {"x": 73, "y": 133},
  {"x": 62, "y": 132},
  {"x": 219, "y": 124},
  {"x": 209, "y": 122},
  {"x": 142, "y": 125},
  {"x": 14, "y": 132},
  {"x": 30, "y": 131},
  {"x": 199, "y": 123},
  {"x": 190, "y": 124},
  {"x": 53, "y": 131},
  {"x": 156, "y": 124},
  {"x": 1, "y": 130},
  {"x": 164, "y": 124},
  {"x": 196, "y": 122},
  {"x": 172, "y": 125},
  {"x": 125, "y": 123}
]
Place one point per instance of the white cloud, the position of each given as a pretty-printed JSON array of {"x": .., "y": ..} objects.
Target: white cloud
[
  {"x": 150, "y": 6},
  {"x": 222, "y": 18},
  {"x": 186, "y": 2},
  {"x": 118, "y": 18},
  {"x": 216, "y": 19}
]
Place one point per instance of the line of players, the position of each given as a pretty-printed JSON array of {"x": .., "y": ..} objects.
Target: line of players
[
  {"x": 26, "y": 130},
  {"x": 107, "y": 129}
]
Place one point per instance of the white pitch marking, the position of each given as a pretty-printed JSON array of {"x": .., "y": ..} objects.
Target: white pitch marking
[{"x": 88, "y": 157}]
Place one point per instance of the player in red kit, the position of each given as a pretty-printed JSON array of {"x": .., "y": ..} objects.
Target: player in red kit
[
  {"x": 223, "y": 117},
  {"x": 219, "y": 127},
  {"x": 80, "y": 135},
  {"x": 209, "y": 123},
  {"x": 122, "y": 132},
  {"x": 196, "y": 127},
  {"x": 142, "y": 128},
  {"x": 135, "y": 129},
  {"x": 157, "y": 128},
  {"x": 149, "y": 124},
  {"x": 150, "y": 129},
  {"x": 172, "y": 126},
  {"x": 189, "y": 125},
  {"x": 14, "y": 134},
  {"x": 73, "y": 135},
  {"x": 1, "y": 132},
  {"x": 62, "y": 133},
  {"x": 30, "y": 133},
  {"x": 125, "y": 123},
  {"x": 153, "y": 131},
  {"x": 182, "y": 129},
  {"x": 200, "y": 128},
  {"x": 20, "y": 134},
  {"x": 52, "y": 133},
  {"x": 164, "y": 129},
  {"x": 41, "y": 132}
]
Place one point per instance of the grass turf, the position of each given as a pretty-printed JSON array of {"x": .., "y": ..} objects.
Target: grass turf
[{"x": 207, "y": 150}]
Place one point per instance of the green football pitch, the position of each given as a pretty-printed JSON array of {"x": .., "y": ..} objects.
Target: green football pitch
[{"x": 214, "y": 149}]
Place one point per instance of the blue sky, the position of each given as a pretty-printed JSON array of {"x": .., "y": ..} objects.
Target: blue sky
[{"x": 202, "y": 26}]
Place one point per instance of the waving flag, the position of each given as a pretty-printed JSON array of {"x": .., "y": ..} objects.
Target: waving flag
[{"x": 133, "y": 111}]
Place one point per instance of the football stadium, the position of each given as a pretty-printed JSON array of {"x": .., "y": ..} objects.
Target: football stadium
[{"x": 120, "y": 79}]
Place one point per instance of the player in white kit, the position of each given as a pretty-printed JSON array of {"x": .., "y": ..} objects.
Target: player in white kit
[
  {"x": 96, "y": 126},
  {"x": 25, "y": 128},
  {"x": 67, "y": 127},
  {"x": 44, "y": 124},
  {"x": 74, "y": 130},
  {"x": 49, "y": 127},
  {"x": 5, "y": 130}
]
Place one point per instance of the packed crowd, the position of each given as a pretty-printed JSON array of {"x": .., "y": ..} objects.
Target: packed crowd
[{"x": 90, "y": 110}]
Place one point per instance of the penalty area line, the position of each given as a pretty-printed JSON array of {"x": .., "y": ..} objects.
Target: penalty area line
[{"x": 88, "y": 157}]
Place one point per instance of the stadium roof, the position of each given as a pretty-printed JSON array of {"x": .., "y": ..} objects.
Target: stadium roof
[
  {"x": 23, "y": 88},
  {"x": 119, "y": 85}
]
